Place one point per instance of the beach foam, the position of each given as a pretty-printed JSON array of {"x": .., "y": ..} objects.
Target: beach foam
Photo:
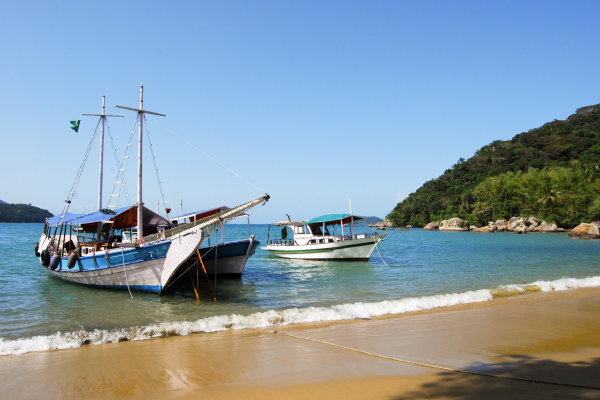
[{"x": 284, "y": 317}]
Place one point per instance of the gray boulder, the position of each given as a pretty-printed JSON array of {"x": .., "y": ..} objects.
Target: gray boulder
[
  {"x": 455, "y": 225},
  {"x": 432, "y": 226}
]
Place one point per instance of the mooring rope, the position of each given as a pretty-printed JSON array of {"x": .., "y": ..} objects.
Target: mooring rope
[
  {"x": 433, "y": 366},
  {"x": 124, "y": 269},
  {"x": 377, "y": 247}
]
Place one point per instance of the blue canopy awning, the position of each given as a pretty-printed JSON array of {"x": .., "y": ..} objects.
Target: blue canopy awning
[
  {"x": 78, "y": 219},
  {"x": 98, "y": 216},
  {"x": 149, "y": 217},
  {"x": 58, "y": 218},
  {"x": 335, "y": 218}
]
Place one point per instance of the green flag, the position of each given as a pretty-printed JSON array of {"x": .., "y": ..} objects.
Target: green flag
[{"x": 75, "y": 125}]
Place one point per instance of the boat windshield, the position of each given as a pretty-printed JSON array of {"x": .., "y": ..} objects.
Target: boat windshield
[{"x": 316, "y": 230}]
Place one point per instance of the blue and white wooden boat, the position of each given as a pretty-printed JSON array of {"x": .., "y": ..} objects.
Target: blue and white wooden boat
[{"x": 131, "y": 247}]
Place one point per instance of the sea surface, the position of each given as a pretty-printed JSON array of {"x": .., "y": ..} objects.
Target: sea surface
[{"x": 424, "y": 270}]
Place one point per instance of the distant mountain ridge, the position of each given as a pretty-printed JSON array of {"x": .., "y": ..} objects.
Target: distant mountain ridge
[
  {"x": 18, "y": 213},
  {"x": 372, "y": 220}
]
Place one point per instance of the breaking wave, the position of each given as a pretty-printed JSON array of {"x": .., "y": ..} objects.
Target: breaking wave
[{"x": 274, "y": 318}]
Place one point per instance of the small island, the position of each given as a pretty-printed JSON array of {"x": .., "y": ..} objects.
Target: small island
[{"x": 22, "y": 213}]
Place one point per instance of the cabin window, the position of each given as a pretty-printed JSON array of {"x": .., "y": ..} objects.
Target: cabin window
[{"x": 299, "y": 229}]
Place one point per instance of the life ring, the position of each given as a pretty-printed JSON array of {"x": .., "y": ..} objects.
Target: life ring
[{"x": 45, "y": 257}]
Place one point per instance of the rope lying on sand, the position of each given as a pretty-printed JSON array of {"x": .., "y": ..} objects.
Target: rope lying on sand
[{"x": 446, "y": 368}]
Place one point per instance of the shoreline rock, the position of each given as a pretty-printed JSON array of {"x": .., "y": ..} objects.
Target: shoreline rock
[
  {"x": 585, "y": 231},
  {"x": 432, "y": 226},
  {"x": 454, "y": 225},
  {"x": 382, "y": 224}
]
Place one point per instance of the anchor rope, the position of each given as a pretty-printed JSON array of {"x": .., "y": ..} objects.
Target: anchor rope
[
  {"x": 377, "y": 247},
  {"x": 221, "y": 164},
  {"x": 124, "y": 269},
  {"x": 439, "y": 367}
]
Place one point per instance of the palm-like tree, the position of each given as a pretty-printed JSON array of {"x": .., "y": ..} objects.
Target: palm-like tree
[{"x": 548, "y": 195}]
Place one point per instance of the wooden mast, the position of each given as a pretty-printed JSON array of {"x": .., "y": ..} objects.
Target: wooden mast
[
  {"x": 140, "y": 203},
  {"x": 102, "y": 121}
]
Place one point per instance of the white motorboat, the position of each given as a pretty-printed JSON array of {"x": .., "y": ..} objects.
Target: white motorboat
[{"x": 313, "y": 239}]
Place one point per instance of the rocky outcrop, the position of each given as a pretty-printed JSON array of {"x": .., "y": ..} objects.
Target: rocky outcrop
[
  {"x": 432, "y": 226},
  {"x": 534, "y": 222},
  {"x": 545, "y": 227},
  {"x": 517, "y": 224},
  {"x": 454, "y": 225},
  {"x": 409, "y": 226},
  {"x": 585, "y": 231},
  {"x": 502, "y": 225},
  {"x": 486, "y": 229},
  {"x": 383, "y": 224},
  {"x": 524, "y": 225}
]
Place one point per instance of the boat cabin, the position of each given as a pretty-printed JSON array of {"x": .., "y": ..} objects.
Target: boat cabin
[{"x": 100, "y": 230}]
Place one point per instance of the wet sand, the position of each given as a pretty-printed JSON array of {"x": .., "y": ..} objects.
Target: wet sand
[{"x": 552, "y": 337}]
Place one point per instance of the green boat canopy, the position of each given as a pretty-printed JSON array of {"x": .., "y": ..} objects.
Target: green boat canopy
[{"x": 332, "y": 219}]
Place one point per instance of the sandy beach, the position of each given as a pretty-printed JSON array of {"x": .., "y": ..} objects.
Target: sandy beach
[{"x": 542, "y": 337}]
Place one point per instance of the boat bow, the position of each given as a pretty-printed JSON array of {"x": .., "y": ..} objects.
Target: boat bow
[{"x": 185, "y": 239}]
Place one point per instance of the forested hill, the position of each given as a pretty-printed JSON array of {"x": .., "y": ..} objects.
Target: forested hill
[
  {"x": 552, "y": 172},
  {"x": 22, "y": 213}
]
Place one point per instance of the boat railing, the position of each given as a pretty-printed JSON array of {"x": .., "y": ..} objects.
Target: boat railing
[
  {"x": 322, "y": 239},
  {"x": 280, "y": 242}
]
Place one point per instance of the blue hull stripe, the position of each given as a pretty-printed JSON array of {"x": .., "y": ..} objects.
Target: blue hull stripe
[
  {"x": 138, "y": 288},
  {"x": 115, "y": 259}
]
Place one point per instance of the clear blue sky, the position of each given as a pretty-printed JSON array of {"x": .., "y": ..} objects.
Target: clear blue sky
[{"x": 312, "y": 101}]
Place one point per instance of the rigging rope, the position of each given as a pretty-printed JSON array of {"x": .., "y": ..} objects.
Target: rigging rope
[
  {"x": 117, "y": 161},
  {"x": 81, "y": 167},
  {"x": 121, "y": 171},
  {"x": 221, "y": 164},
  {"x": 156, "y": 168}
]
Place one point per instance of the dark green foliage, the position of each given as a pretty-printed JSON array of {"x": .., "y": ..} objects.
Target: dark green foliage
[
  {"x": 557, "y": 165},
  {"x": 22, "y": 213}
]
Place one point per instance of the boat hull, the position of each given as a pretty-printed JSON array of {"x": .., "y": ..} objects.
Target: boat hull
[
  {"x": 142, "y": 276},
  {"x": 347, "y": 250},
  {"x": 147, "y": 268},
  {"x": 228, "y": 260}
]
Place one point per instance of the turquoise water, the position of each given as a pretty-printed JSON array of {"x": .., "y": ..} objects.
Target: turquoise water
[{"x": 420, "y": 263}]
